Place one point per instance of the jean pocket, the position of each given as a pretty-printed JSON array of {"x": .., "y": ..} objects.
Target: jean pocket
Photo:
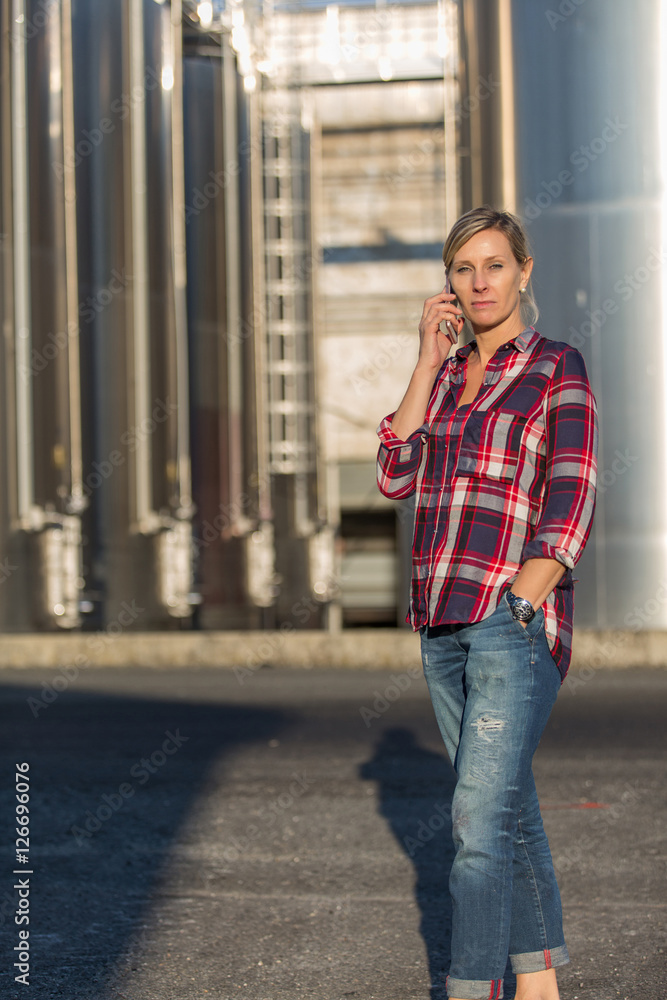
[{"x": 532, "y": 628}]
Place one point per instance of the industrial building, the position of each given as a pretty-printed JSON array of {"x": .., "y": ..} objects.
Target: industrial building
[{"x": 218, "y": 223}]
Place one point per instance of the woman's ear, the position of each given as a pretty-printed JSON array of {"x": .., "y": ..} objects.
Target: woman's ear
[{"x": 526, "y": 271}]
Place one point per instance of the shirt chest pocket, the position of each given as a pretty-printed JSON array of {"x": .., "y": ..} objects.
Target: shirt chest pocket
[{"x": 490, "y": 446}]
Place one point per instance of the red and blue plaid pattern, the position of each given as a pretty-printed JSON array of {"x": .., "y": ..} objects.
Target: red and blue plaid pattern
[{"x": 508, "y": 477}]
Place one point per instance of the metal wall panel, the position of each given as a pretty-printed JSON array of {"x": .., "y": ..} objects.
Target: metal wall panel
[{"x": 591, "y": 186}]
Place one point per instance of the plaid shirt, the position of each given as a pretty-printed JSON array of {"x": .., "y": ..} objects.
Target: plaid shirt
[{"x": 508, "y": 477}]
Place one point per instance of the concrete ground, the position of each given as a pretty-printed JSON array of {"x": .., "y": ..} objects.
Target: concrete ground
[{"x": 281, "y": 834}]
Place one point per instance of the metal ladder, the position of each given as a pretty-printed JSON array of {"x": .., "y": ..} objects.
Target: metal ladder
[{"x": 288, "y": 268}]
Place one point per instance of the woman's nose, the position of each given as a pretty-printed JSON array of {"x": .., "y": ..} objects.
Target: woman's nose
[{"x": 478, "y": 282}]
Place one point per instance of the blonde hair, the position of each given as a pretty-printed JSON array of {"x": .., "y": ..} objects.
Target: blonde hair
[{"x": 476, "y": 221}]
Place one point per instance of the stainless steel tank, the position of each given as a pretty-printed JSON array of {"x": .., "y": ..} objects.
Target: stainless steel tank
[
  {"x": 128, "y": 161},
  {"x": 42, "y": 495},
  {"x": 573, "y": 138},
  {"x": 591, "y": 118}
]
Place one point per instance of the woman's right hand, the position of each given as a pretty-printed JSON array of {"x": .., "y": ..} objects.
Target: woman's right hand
[
  {"x": 434, "y": 346},
  {"x": 434, "y": 343}
]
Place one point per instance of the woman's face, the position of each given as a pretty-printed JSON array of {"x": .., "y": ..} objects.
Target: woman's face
[{"x": 486, "y": 279}]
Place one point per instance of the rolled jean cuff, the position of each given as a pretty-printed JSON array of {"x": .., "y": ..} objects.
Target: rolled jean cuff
[
  {"x": 475, "y": 989},
  {"x": 537, "y": 961}
]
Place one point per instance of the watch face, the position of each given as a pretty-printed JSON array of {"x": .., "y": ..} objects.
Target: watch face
[{"x": 521, "y": 608}]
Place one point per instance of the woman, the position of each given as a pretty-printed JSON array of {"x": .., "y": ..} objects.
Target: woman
[{"x": 499, "y": 444}]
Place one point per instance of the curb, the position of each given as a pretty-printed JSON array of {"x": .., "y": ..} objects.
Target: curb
[{"x": 371, "y": 649}]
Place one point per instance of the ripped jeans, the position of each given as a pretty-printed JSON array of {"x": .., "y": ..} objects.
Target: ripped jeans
[{"x": 493, "y": 685}]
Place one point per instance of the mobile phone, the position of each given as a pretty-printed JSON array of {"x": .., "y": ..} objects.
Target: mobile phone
[{"x": 452, "y": 335}]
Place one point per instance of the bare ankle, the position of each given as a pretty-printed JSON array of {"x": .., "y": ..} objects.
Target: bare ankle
[{"x": 537, "y": 985}]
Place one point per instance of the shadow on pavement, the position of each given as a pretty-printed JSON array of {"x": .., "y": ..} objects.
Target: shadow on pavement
[
  {"x": 415, "y": 794},
  {"x": 113, "y": 780}
]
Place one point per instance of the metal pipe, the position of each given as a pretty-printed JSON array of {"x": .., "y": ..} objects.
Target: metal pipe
[
  {"x": 180, "y": 269},
  {"x": 25, "y": 484},
  {"x": 324, "y": 470},
  {"x": 232, "y": 230},
  {"x": 77, "y": 500},
  {"x": 264, "y": 502},
  {"x": 470, "y": 28},
  {"x": 144, "y": 514},
  {"x": 508, "y": 127},
  {"x": 451, "y": 96}
]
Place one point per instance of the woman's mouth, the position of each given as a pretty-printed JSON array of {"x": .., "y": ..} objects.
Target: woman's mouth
[{"x": 483, "y": 304}]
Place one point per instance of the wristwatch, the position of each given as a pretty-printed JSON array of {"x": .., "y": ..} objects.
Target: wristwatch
[{"x": 522, "y": 610}]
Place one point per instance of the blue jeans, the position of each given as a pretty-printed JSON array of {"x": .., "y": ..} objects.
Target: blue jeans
[{"x": 493, "y": 685}]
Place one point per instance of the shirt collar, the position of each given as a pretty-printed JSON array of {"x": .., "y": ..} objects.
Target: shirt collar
[{"x": 520, "y": 343}]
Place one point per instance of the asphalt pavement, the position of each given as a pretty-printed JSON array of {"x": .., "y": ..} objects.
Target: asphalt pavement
[{"x": 201, "y": 834}]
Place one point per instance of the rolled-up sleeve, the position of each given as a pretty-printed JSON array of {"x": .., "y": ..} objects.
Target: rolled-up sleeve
[
  {"x": 568, "y": 504},
  {"x": 398, "y": 461}
]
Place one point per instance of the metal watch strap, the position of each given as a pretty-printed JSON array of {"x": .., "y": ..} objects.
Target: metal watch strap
[{"x": 522, "y": 610}]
